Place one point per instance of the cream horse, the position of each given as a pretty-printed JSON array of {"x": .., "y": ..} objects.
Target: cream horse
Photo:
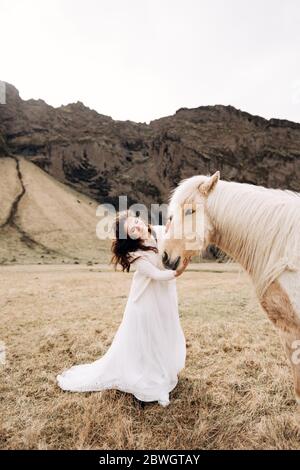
[{"x": 257, "y": 227}]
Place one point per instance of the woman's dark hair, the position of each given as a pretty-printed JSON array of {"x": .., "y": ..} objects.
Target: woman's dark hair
[{"x": 123, "y": 244}]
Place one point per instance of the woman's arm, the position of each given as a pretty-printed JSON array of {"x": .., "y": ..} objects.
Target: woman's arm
[{"x": 148, "y": 269}]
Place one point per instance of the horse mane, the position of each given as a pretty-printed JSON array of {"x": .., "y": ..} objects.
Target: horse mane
[{"x": 260, "y": 227}]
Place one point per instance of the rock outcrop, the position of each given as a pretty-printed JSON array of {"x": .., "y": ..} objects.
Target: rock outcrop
[{"x": 104, "y": 158}]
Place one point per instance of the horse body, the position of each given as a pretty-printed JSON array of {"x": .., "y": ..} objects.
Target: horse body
[{"x": 257, "y": 227}]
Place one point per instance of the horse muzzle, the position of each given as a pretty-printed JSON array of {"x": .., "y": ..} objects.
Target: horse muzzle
[{"x": 170, "y": 264}]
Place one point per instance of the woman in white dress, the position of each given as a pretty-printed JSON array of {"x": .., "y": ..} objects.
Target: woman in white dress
[{"x": 149, "y": 349}]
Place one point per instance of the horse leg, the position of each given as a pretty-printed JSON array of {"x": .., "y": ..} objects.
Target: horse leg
[{"x": 281, "y": 312}]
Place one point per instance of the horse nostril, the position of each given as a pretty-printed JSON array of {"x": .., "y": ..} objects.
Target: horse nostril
[{"x": 165, "y": 257}]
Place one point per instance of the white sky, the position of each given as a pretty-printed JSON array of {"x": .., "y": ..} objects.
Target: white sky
[{"x": 141, "y": 60}]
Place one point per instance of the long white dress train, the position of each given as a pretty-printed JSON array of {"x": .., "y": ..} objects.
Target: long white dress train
[{"x": 149, "y": 348}]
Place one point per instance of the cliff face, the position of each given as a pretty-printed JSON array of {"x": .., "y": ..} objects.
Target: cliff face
[{"x": 104, "y": 158}]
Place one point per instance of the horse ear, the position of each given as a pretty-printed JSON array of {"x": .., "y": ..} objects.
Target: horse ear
[{"x": 208, "y": 186}]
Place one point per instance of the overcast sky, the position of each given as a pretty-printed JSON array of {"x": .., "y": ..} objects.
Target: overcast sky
[{"x": 141, "y": 60}]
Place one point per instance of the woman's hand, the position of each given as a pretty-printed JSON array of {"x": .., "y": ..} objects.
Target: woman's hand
[{"x": 185, "y": 263}]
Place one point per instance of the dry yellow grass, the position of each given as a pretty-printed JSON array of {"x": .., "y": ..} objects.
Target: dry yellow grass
[{"x": 235, "y": 392}]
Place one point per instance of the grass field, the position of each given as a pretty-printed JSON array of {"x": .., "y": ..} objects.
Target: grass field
[{"x": 235, "y": 392}]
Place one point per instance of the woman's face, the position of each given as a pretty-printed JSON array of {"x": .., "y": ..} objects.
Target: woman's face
[{"x": 136, "y": 227}]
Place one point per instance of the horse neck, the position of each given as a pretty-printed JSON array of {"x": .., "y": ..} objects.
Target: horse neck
[
  {"x": 227, "y": 207},
  {"x": 228, "y": 233},
  {"x": 257, "y": 228}
]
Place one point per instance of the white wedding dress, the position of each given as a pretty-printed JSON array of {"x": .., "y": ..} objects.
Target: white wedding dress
[{"x": 149, "y": 349}]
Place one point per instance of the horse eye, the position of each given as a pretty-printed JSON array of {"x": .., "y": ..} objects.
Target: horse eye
[
  {"x": 170, "y": 218},
  {"x": 189, "y": 211}
]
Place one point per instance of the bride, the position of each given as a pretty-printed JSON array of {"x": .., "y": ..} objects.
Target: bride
[{"x": 148, "y": 350}]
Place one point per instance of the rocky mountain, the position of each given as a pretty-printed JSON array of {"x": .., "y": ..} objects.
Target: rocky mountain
[{"x": 104, "y": 158}]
